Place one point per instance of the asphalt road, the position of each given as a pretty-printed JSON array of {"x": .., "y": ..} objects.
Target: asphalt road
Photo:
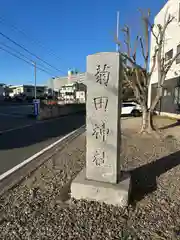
[
  {"x": 20, "y": 137},
  {"x": 16, "y": 109}
]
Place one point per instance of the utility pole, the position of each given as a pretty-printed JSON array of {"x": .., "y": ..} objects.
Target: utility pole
[
  {"x": 35, "y": 95},
  {"x": 117, "y": 32}
]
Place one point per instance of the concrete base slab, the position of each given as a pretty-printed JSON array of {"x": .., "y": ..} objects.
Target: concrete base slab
[{"x": 115, "y": 194}]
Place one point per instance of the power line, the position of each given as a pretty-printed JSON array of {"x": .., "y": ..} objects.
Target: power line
[
  {"x": 28, "y": 62},
  {"x": 22, "y": 55},
  {"x": 25, "y": 49},
  {"x": 12, "y": 26}
]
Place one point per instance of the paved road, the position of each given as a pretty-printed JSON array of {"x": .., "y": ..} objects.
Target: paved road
[
  {"x": 20, "y": 137},
  {"x": 19, "y": 110},
  {"x": 14, "y": 116}
]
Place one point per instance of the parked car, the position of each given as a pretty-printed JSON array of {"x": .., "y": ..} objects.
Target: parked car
[{"x": 131, "y": 108}]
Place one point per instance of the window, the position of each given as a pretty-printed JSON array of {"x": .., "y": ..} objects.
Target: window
[
  {"x": 169, "y": 55},
  {"x": 69, "y": 93},
  {"x": 165, "y": 92},
  {"x": 177, "y": 95},
  {"x": 178, "y": 51}
]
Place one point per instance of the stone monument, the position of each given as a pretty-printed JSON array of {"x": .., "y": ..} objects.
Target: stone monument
[{"x": 102, "y": 180}]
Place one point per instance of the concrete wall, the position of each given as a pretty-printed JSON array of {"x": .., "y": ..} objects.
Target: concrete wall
[
  {"x": 172, "y": 39},
  {"x": 170, "y": 115},
  {"x": 54, "y": 111}
]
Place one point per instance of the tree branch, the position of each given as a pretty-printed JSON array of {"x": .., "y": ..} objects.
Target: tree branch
[
  {"x": 162, "y": 68},
  {"x": 169, "y": 64},
  {"x": 127, "y": 80},
  {"x": 153, "y": 33},
  {"x": 145, "y": 78},
  {"x": 151, "y": 26},
  {"x": 134, "y": 87},
  {"x": 143, "y": 51},
  {"x": 135, "y": 48},
  {"x": 144, "y": 42},
  {"x": 139, "y": 82},
  {"x": 132, "y": 61},
  {"x": 154, "y": 62},
  {"x": 169, "y": 20},
  {"x": 127, "y": 40}
]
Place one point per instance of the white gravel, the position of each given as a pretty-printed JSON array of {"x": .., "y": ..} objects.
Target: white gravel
[{"x": 35, "y": 210}]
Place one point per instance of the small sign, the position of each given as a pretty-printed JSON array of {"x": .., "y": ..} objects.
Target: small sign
[{"x": 36, "y": 103}]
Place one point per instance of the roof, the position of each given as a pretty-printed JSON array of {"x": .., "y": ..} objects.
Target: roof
[{"x": 23, "y": 85}]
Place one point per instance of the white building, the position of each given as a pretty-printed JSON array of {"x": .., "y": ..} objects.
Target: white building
[
  {"x": 27, "y": 91},
  {"x": 170, "y": 101},
  {"x": 81, "y": 96},
  {"x": 73, "y": 92},
  {"x": 67, "y": 92}
]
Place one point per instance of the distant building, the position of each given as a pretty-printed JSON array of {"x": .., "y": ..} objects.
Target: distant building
[
  {"x": 81, "y": 92},
  {"x": 81, "y": 96},
  {"x": 27, "y": 91},
  {"x": 56, "y": 83},
  {"x": 69, "y": 88},
  {"x": 74, "y": 92},
  {"x": 2, "y": 91},
  {"x": 67, "y": 92}
]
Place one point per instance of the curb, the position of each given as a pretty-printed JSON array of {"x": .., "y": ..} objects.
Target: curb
[{"x": 14, "y": 176}]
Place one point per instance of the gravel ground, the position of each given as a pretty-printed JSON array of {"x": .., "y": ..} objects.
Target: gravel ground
[{"x": 36, "y": 208}]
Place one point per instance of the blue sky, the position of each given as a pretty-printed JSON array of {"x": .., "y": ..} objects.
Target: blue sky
[{"x": 70, "y": 29}]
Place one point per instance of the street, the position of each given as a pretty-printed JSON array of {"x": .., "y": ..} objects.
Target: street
[
  {"x": 21, "y": 137},
  {"x": 12, "y": 117}
]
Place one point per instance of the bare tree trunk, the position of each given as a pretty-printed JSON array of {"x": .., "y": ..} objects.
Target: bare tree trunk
[
  {"x": 157, "y": 98},
  {"x": 147, "y": 121},
  {"x": 144, "y": 120},
  {"x": 150, "y": 122}
]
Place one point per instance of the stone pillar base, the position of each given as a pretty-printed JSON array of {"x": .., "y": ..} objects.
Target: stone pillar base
[{"x": 115, "y": 194}]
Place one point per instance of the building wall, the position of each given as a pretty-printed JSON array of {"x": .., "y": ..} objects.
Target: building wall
[
  {"x": 171, "y": 41},
  {"x": 58, "y": 82},
  {"x": 27, "y": 90},
  {"x": 68, "y": 92},
  {"x": 81, "y": 96},
  {"x": 16, "y": 90},
  {"x": 170, "y": 101}
]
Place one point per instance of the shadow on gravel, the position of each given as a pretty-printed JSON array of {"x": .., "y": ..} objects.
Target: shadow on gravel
[
  {"x": 144, "y": 178},
  {"x": 171, "y": 125},
  {"x": 41, "y": 132}
]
